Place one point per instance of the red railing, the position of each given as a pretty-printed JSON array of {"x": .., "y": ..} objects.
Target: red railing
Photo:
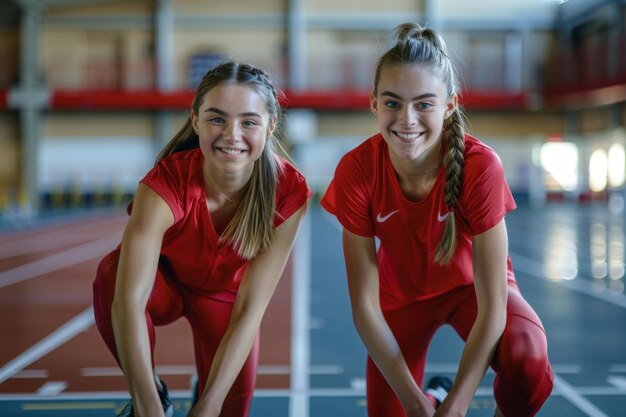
[{"x": 339, "y": 100}]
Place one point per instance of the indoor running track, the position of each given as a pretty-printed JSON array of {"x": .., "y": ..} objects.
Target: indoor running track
[{"x": 569, "y": 262}]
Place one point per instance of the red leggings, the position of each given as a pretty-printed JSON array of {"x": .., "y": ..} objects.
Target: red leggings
[
  {"x": 168, "y": 302},
  {"x": 523, "y": 374}
]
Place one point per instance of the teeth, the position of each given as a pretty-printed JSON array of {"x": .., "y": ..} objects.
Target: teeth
[
  {"x": 408, "y": 135},
  {"x": 231, "y": 151}
]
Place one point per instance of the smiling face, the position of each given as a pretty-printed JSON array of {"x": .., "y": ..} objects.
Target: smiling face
[
  {"x": 232, "y": 124},
  {"x": 410, "y": 104}
]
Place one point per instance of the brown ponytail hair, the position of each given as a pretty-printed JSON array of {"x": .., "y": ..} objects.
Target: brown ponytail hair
[
  {"x": 419, "y": 46},
  {"x": 250, "y": 230}
]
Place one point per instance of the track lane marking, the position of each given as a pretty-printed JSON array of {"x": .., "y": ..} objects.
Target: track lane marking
[
  {"x": 76, "y": 325},
  {"x": 60, "y": 260}
]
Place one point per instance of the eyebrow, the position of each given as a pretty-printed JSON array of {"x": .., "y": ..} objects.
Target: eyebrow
[
  {"x": 420, "y": 97},
  {"x": 223, "y": 113}
]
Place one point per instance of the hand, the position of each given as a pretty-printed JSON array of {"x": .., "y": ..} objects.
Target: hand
[
  {"x": 447, "y": 410},
  {"x": 201, "y": 409},
  {"x": 418, "y": 409}
]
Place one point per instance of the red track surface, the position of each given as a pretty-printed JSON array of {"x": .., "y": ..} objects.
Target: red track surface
[{"x": 35, "y": 307}]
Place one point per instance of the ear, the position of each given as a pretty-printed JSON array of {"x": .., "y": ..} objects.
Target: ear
[
  {"x": 452, "y": 105},
  {"x": 373, "y": 103},
  {"x": 194, "y": 122},
  {"x": 273, "y": 122}
]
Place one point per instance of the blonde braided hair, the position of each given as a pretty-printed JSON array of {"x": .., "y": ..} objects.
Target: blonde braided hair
[{"x": 453, "y": 137}]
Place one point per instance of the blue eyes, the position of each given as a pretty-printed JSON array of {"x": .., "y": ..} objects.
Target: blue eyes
[
  {"x": 394, "y": 105},
  {"x": 220, "y": 121}
]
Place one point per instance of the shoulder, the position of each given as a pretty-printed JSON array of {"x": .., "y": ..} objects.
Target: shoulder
[
  {"x": 286, "y": 166},
  {"x": 175, "y": 179},
  {"x": 178, "y": 173},
  {"x": 182, "y": 158},
  {"x": 366, "y": 155},
  {"x": 290, "y": 179},
  {"x": 287, "y": 171},
  {"x": 356, "y": 175},
  {"x": 479, "y": 157},
  {"x": 482, "y": 167},
  {"x": 179, "y": 164}
]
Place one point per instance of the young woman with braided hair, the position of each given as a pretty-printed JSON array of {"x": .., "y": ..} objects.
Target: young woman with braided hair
[
  {"x": 435, "y": 197},
  {"x": 210, "y": 230}
]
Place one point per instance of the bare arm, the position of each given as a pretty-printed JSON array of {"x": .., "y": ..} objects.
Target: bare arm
[
  {"x": 363, "y": 284},
  {"x": 490, "y": 251},
  {"x": 253, "y": 296},
  {"x": 136, "y": 272}
]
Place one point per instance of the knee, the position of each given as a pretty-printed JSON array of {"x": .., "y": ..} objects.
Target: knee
[{"x": 522, "y": 363}]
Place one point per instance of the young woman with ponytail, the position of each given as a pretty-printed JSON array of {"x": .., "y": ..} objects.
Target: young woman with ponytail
[
  {"x": 435, "y": 198},
  {"x": 210, "y": 230}
]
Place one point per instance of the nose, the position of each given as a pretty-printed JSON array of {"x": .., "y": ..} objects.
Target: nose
[
  {"x": 232, "y": 132},
  {"x": 408, "y": 116}
]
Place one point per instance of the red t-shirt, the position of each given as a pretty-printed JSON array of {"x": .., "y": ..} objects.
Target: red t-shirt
[
  {"x": 366, "y": 198},
  {"x": 190, "y": 245}
]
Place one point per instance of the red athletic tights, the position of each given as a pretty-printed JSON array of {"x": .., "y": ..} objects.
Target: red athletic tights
[
  {"x": 168, "y": 302},
  {"x": 523, "y": 374}
]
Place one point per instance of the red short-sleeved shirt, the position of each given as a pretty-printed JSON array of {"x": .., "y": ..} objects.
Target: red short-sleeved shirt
[
  {"x": 190, "y": 244},
  {"x": 366, "y": 198}
]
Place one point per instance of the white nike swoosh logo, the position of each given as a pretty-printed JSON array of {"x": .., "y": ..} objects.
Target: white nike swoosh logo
[
  {"x": 382, "y": 219},
  {"x": 442, "y": 218}
]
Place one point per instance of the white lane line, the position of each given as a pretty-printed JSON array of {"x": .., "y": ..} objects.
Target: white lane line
[
  {"x": 481, "y": 392},
  {"x": 60, "y": 230},
  {"x": 107, "y": 371},
  {"x": 52, "y": 388},
  {"x": 40, "y": 244},
  {"x": 31, "y": 373},
  {"x": 358, "y": 384},
  {"x": 452, "y": 368},
  {"x": 300, "y": 326},
  {"x": 78, "y": 324},
  {"x": 618, "y": 367},
  {"x": 534, "y": 268},
  {"x": 55, "y": 239},
  {"x": 576, "y": 398},
  {"x": 191, "y": 370},
  {"x": 600, "y": 391},
  {"x": 60, "y": 260},
  {"x": 617, "y": 381}
]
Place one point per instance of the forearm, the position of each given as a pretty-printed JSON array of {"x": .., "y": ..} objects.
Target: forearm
[
  {"x": 477, "y": 355},
  {"x": 133, "y": 349}
]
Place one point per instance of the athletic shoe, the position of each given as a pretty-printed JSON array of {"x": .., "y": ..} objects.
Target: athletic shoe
[
  {"x": 439, "y": 387},
  {"x": 166, "y": 403}
]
